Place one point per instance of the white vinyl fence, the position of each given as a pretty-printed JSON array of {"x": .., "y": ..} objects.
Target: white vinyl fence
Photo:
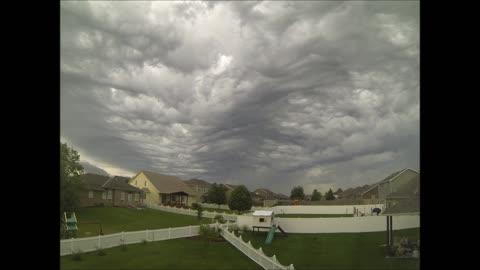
[
  {"x": 256, "y": 255},
  {"x": 191, "y": 212},
  {"x": 70, "y": 246}
]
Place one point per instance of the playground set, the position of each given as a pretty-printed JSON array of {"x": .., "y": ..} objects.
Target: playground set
[
  {"x": 264, "y": 220},
  {"x": 70, "y": 228}
]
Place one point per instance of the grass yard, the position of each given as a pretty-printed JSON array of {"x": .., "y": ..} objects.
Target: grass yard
[
  {"x": 185, "y": 253},
  {"x": 334, "y": 251},
  {"x": 313, "y": 215},
  {"x": 116, "y": 219}
]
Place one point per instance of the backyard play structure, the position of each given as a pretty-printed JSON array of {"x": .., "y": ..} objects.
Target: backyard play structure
[
  {"x": 70, "y": 222},
  {"x": 264, "y": 220}
]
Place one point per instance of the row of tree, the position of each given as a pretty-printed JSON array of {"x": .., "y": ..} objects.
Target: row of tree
[
  {"x": 240, "y": 198},
  {"x": 298, "y": 194}
]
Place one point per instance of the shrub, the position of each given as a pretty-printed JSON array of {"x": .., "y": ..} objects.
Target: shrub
[
  {"x": 144, "y": 241},
  {"x": 245, "y": 228},
  {"x": 77, "y": 256},
  {"x": 101, "y": 252},
  {"x": 219, "y": 218}
]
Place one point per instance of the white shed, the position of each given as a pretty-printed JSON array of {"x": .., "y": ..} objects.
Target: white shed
[{"x": 262, "y": 218}]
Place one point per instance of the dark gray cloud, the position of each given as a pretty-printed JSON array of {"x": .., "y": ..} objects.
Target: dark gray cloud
[{"x": 267, "y": 94}]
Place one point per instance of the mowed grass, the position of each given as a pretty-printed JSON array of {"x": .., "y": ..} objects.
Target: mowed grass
[
  {"x": 334, "y": 251},
  {"x": 185, "y": 253},
  {"x": 116, "y": 219},
  {"x": 313, "y": 215}
]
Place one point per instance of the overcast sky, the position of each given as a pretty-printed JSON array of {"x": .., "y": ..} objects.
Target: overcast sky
[{"x": 265, "y": 94}]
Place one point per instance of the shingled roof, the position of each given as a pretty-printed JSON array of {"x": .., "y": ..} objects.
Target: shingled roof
[
  {"x": 94, "y": 181},
  {"x": 120, "y": 183},
  {"x": 168, "y": 184},
  {"x": 196, "y": 181}
]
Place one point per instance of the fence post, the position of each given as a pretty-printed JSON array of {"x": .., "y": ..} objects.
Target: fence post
[
  {"x": 122, "y": 238},
  {"x": 190, "y": 230},
  {"x": 99, "y": 242},
  {"x": 169, "y": 233},
  {"x": 146, "y": 235},
  {"x": 71, "y": 245}
]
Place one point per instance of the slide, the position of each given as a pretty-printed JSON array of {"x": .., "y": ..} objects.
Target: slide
[
  {"x": 271, "y": 233},
  {"x": 284, "y": 233}
]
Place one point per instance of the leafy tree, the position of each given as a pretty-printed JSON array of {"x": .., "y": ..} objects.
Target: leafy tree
[
  {"x": 240, "y": 199},
  {"x": 297, "y": 193},
  {"x": 339, "y": 190},
  {"x": 329, "y": 195},
  {"x": 199, "y": 208},
  {"x": 70, "y": 182},
  {"x": 216, "y": 194},
  {"x": 316, "y": 195}
]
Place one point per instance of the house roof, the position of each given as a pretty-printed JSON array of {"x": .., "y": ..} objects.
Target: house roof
[
  {"x": 168, "y": 184},
  {"x": 355, "y": 191},
  {"x": 120, "y": 183},
  {"x": 282, "y": 196},
  {"x": 94, "y": 181},
  {"x": 389, "y": 179},
  {"x": 196, "y": 181},
  {"x": 230, "y": 186},
  {"x": 262, "y": 213}
]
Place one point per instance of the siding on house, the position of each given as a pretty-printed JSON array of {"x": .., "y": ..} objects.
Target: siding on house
[{"x": 152, "y": 195}]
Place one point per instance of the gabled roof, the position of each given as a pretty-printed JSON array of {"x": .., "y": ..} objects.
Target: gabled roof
[
  {"x": 120, "y": 183},
  {"x": 230, "y": 186},
  {"x": 281, "y": 196},
  {"x": 389, "y": 179},
  {"x": 196, "y": 181},
  {"x": 262, "y": 213},
  {"x": 168, "y": 184},
  {"x": 94, "y": 181}
]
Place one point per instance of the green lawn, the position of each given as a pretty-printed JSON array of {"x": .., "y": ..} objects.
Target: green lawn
[
  {"x": 116, "y": 219},
  {"x": 334, "y": 251},
  {"x": 313, "y": 215},
  {"x": 185, "y": 253}
]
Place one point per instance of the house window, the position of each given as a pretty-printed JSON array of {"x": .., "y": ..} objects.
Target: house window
[
  {"x": 109, "y": 195},
  {"x": 129, "y": 197},
  {"x": 136, "y": 197},
  {"x": 262, "y": 220},
  {"x": 146, "y": 183},
  {"x": 122, "y": 196},
  {"x": 90, "y": 194},
  {"x": 104, "y": 195}
]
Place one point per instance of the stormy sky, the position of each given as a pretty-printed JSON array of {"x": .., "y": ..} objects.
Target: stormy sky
[{"x": 265, "y": 94}]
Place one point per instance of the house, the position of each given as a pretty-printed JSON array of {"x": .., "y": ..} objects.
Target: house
[
  {"x": 262, "y": 218},
  {"x": 229, "y": 188},
  {"x": 163, "y": 189},
  {"x": 200, "y": 187},
  {"x": 109, "y": 191},
  {"x": 393, "y": 183}
]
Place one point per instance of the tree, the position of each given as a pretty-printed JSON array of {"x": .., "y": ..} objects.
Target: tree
[
  {"x": 329, "y": 195},
  {"x": 216, "y": 194},
  {"x": 316, "y": 195},
  {"x": 240, "y": 199},
  {"x": 339, "y": 190},
  {"x": 297, "y": 193},
  {"x": 199, "y": 208},
  {"x": 70, "y": 182}
]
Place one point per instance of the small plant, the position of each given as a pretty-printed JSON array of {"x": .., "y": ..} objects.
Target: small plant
[
  {"x": 144, "y": 242},
  {"x": 219, "y": 218},
  {"x": 245, "y": 228},
  {"x": 77, "y": 256},
  {"x": 101, "y": 252}
]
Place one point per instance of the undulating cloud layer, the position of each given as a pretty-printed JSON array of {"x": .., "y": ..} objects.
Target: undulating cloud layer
[{"x": 265, "y": 94}]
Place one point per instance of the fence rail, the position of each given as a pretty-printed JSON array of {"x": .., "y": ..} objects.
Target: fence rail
[
  {"x": 257, "y": 255},
  {"x": 190, "y": 212},
  {"x": 70, "y": 246}
]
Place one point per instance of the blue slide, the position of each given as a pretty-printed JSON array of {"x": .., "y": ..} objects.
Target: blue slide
[{"x": 270, "y": 235}]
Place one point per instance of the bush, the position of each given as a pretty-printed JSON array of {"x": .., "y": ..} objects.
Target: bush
[
  {"x": 220, "y": 219},
  {"x": 101, "y": 252},
  {"x": 77, "y": 256},
  {"x": 144, "y": 241},
  {"x": 245, "y": 228}
]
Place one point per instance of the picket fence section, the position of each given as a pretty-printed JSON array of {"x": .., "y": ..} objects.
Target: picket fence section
[{"x": 207, "y": 214}]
